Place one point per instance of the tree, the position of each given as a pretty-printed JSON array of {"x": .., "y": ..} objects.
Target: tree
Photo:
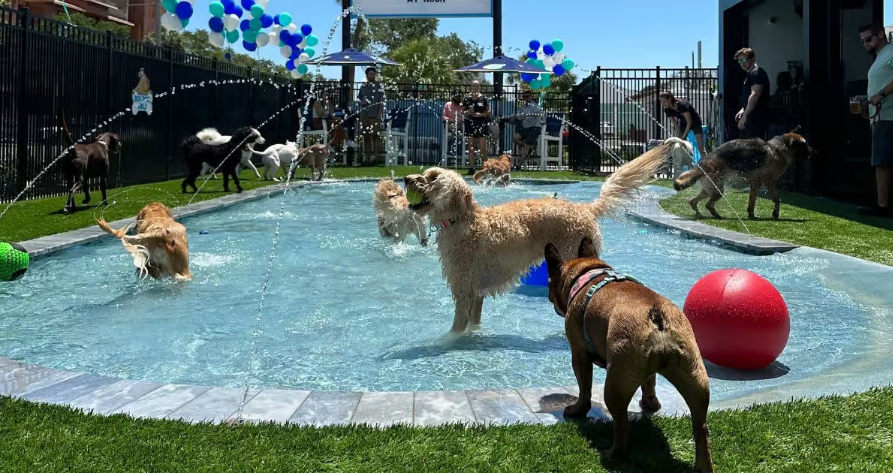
[
  {"x": 431, "y": 60},
  {"x": 79, "y": 19},
  {"x": 197, "y": 43}
]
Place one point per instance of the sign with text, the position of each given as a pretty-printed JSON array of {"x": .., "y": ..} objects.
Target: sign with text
[{"x": 425, "y": 8}]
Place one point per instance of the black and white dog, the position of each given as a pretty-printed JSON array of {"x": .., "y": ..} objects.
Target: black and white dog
[
  {"x": 213, "y": 137},
  {"x": 224, "y": 156}
]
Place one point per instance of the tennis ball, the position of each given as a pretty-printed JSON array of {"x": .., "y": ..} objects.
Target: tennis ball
[
  {"x": 14, "y": 261},
  {"x": 414, "y": 196}
]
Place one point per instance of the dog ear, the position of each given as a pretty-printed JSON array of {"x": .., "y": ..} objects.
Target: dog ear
[
  {"x": 587, "y": 250},
  {"x": 553, "y": 259}
]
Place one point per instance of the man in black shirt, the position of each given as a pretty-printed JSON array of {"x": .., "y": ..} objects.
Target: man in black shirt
[{"x": 753, "y": 118}]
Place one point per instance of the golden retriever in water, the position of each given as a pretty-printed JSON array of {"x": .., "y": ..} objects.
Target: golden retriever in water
[
  {"x": 499, "y": 170},
  {"x": 160, "y": 245},
  {"x": 485, "y": 250},
  {"x": 395, "y": 220}
]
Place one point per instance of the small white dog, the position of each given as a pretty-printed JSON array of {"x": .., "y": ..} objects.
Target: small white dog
[
  {"x": 277, "y": 156},
  {"x": 681, "y": 154},
  {"x": 212, "y": 136}
]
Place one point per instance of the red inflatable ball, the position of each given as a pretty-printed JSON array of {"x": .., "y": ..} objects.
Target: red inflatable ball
[{"x": 739, "y": 319}]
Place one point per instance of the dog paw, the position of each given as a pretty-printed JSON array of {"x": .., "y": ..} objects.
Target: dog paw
[
  {"x": 239, "y": 190},
  {"x": 425, "y": 242},
  {"x": 577, "y": 411},
  {"x": 85, "y": 201},
  {"x": 613, "y": 453},
  {"x": 649, "y": 403}
]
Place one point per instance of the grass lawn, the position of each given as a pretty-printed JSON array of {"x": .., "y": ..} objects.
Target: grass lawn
[
  {"x": 852, "y": 433},
  {"x": 804, "y": 220},
  {"x": 40, "y": 217}
]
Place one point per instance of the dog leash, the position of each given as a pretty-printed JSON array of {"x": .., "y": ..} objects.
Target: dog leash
[{"x": 872, "y": 117}]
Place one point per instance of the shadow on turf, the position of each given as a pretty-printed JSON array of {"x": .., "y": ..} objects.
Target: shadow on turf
[{"x": 648, "y": 446}]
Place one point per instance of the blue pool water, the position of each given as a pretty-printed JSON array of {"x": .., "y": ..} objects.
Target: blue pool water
[{"x": 347, "y": 310}]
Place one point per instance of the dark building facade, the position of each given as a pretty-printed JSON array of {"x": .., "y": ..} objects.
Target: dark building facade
[{"x": 815, "y": 61}]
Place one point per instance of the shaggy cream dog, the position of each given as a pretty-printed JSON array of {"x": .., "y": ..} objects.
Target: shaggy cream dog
[
  {"x": 485, "y": 250},
  {"x": 395, "y": 220}
]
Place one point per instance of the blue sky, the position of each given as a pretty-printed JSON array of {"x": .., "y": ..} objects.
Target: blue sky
[{"x": 631, "y": 33}]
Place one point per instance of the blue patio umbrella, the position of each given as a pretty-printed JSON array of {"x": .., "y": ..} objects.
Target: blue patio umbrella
[
  {"x": 352, "y": 57},
  {"x": 503, "y": 64}
]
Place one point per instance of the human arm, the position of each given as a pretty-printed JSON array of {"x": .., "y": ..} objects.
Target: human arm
[
  {"x": 756, "y": 91},
  {"x": 687, "y": 116},
  {"x": 879, "y": 97}
]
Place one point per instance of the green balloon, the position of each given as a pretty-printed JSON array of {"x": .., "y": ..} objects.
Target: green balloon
[
  {"x": 284, "y": 19},
  {"x": 302, "y": 69},
  {"x": 568, "y": 64},
  {"x": 255, "y": 24},
  {"x": 249, "y": 36},
  {"x": 310, "y": 52},
  {"x": 232, "y": 36},
  {"x": 312, "y": 40},
  {"x": 185, "y": 22},
  {"x": 216, "y": 8},
  {"x": 170, "y": 5},
  {"x": 558, "y": 45},
  {"x": 539, "y": 63},
  {"x": 257, "y": 11}
]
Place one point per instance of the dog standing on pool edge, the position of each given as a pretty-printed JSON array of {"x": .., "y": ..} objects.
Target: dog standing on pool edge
[{"x": 635, "y": 333}]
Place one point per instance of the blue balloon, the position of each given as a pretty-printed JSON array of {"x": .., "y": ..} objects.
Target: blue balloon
[
  {"x": 548, "y": 50},
  {"x": 295, "y": 52},
  {"x": 531, "y": 54},
  {"x": 237, "y": 10},
  {"x": 558, "y": 70},
  {"x": 290, "y": 65},
  {"x": 298, "y": 38},
  {"x": 306, "y": 30},
  {"x": 266, "y": 20},
  {"x": 249, "y": 46},
  {"x": 244, "y": 25},
  {"x": 184, "y": 10},
  {"x": 285, "y": 36},
  {"x": 247, "y": 4},
  {"x": 216, "y": 24},
  {"x": 228, "y": 56},
  {"x": 228, "y": 6},
  {"x": 528, "y": 77},
  {"x": 276, "y": 19},
  {"x": 535, "y": 45}
]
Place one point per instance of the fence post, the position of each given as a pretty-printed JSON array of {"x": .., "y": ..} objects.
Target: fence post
[
  {"x": 215, "y": 89},
  {"x": 657, "y": 89},
  {"x": 171, "y": 152},
  {"x": 250, "y": 109},
  {"x": 597, "y": 106},
  {"x": 24, "y": 93},
  {"x": 109, "y": 97}
]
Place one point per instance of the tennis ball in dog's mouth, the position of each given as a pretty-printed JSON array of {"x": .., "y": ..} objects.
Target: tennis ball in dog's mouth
[{"x": 414, "y": 196}]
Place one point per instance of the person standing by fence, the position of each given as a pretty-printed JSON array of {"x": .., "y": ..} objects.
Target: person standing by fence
[
  {"x": 880, "y": 86},
  {"x": 371, "y": 98},
  {"x": 477, "y": 117},
  {"x": 686, "y": 122},
  {"x": 753, "y": 118},
  {"x": 453, "y": 119}
]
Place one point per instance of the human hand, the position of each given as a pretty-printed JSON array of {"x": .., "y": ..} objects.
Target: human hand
[
  {"x": 742, "y": 122},
  {"x": 876, "y": 99},
  {"x": 739, "y": 115}
]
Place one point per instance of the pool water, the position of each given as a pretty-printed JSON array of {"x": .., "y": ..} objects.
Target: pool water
[{"x": 347, "y": 310}]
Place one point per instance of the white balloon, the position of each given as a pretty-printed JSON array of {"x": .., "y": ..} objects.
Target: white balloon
[
  {"x": 231, "y": 22},
  {"x": 191, "y": 2},
  {"x": 262, "y": 3},
  {"x": 274, "y": 37},
  {"x": 558, "y": 58},
  {"x": 293, "y": 28},
  {"x": 548, "y": 62},
  {"x": 304, "y": 57},
  {"x": 277, "y": 28},
  {"x": 303, "y": 44},
  {"x": 285, "y": 51},
  {"x": 295, "y": 74},
  {"x": 216, "y": 39},
  {"x": 170, "y": 22},
  {"x": 262, "y": 39}
]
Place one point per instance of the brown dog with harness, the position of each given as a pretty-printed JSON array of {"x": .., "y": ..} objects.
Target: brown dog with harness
[
  {"x": 83, "y": 162},
  {"x": 615, "y": 322}
]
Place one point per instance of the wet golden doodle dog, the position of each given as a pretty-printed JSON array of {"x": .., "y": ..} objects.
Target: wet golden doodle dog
[
  {"x": 497, "y": 170},
  {"x": 485, "y": 250},
  {"x": 395, "y": 220},
  {"x": 160, "y": 246},
  {"x": 615, "y": 322},
  {"x": 761, "y": 163}
]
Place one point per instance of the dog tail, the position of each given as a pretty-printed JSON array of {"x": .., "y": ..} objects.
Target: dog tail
[
  {"x": 630, "y": 177},
  {"x": 687, "y": 179},
  {"x": 665, "y": 350},
  {"x": 119, "y": 233},
  {"x": 139, "y": 253},
  {"x": 478, "y": 176},
  {"x": 65, "y": 131},
  {"x": 208, "y": 135}
]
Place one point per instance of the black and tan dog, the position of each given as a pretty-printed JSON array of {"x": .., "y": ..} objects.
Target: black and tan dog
[
  {"x": 85, "y": 161},
  {"x": 761, "y": 163},
  {"x": 617, "y": 323}
]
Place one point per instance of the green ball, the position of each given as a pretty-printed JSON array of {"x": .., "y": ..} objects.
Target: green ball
[
  {"x": 14, "y": 261},
  {"x": 414, "y": 196}
]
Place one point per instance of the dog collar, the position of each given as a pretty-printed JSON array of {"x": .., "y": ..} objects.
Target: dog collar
[
  {"x": 588, "y": 276},
  {"x": 436, "y": 227}
]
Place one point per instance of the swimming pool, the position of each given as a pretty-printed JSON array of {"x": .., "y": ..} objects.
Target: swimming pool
[{"x": 346, "y": 310}]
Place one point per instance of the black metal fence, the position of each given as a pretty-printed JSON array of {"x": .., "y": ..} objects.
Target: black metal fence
[
  {"x": 54, "y": 75},
  {"x": 617, "y": 113}
]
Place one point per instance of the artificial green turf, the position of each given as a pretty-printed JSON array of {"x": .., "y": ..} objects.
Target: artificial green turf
[
  {"x": 40, "y": 217},
  {"x": 852, "y": 433},
  {"x": 804, "y": 220}
]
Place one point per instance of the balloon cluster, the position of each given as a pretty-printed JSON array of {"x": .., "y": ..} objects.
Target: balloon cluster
[
  {"x": 177, "y": 14},
  {"x": 260, "y": 29},
  {"x": 547, "y": 56}
]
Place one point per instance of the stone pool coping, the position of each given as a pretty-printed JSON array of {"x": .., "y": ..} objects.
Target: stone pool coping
[{"x": 149, "y": 399}]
